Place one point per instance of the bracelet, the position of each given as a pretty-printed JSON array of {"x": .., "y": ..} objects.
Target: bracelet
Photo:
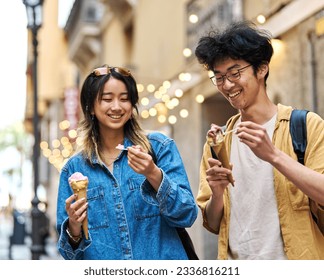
[{"x": 75, "y": 239}]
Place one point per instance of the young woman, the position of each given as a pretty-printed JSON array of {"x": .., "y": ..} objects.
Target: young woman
[{"x": 134, "y": 203}]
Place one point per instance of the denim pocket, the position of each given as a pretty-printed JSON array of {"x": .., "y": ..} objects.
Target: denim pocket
[
  {"x": 97, "y": 208},
  {"x": 144, "y": 207}
]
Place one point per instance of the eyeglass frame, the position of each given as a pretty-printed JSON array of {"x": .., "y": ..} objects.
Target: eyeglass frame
[
  {"x": 100, "y": 71},
  {"x": 238, "y": 72}
]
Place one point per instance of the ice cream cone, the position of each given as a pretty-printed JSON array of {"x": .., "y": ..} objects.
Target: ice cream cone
[
  {"x": 79, "y": 187},
  {"x": 217, "y": 144}
]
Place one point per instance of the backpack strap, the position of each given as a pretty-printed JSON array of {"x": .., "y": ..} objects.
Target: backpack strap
[{"x": 298, "y": 132}]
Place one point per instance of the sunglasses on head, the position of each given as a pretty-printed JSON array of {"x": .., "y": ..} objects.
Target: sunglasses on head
[{"x": 108, "y": 69}]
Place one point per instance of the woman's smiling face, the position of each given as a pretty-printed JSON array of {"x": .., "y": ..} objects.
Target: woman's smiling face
[{"x": 113, "y": 109}]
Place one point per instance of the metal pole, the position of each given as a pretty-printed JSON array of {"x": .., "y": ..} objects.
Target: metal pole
[{"x": 37, "y": 247}]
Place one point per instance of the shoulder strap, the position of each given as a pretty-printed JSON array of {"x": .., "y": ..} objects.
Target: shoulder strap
[{"x": 298, "y": 131}]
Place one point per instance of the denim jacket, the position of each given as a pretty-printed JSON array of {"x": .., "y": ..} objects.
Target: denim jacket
[{"x": 127, "y": 218}]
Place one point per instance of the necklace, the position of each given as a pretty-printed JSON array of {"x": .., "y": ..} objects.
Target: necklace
[
  {"x": 109, "y": 160},
  {"x": 109, "y": 163},
  {"x": 109, "y": 157}
]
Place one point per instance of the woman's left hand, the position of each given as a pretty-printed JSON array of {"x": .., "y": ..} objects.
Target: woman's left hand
[{"x": 142, "y": 163}]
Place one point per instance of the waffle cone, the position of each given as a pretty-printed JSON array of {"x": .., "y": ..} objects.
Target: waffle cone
[{"x": 79, "y": 187}]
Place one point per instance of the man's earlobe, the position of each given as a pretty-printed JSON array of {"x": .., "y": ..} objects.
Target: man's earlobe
[{"x": 263, "y": 69}]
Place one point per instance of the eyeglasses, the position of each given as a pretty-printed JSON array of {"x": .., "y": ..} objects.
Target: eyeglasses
[
  {"x": 232, "y": 75},
  {"x": 107, "y": 70}
]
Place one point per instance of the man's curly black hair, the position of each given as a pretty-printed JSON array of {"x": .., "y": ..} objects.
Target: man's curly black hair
[{"x": 239, "y": 41}]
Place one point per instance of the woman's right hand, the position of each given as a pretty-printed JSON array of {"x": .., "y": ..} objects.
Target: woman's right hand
[{"x": 77, "y": 213}]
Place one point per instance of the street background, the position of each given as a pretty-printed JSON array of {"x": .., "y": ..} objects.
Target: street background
[
  {"x": 22, "y": 251},
  {"x": 156, "y": 40}
]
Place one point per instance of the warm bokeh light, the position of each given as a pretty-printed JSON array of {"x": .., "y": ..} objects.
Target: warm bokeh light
[
  {"x": 63, "y": 125},
  {"x": 278, "y": 46},
  {"x": 193, "y": 18},
  {"x": 184, "y": 113},
  {"x": 145, "y": 114},
  {"x": 158, "y": 94},
  {"x": 178, "y": 93},
  {"x": 56, "y": 152},
  {"x": 172, "y": 119},
  {"x": 169, "y": 105},
  {"x": 162, "y": 90},
  {"x": 166, "y": 84},
  {"x": 47, "y": 153},
  {"x": 73, "y": 133},
  {"x": 65, "y": 140},
  {"x": 175, "y": 102},
  {"x": 56, "y": 143},
  {"x": 79, "y": 141},
  {"x": 145, "y": 101},
  {"x": 140, "y": 88},
  {"x": 161, "y": 108},
  {"x": 162, "y": 119},
  {"x": 66, "y": 153},
  {"x": 187, "y": 52},
  {"x": 165, "y": 98},
  {"x": 150, "y": 88},
  {"x": 200, "y": 98},
  {"x": 184, "y": 77},
  {"x": 43, "y": 145},
  {"x": 153, "y": 112},
  {"x": 261, "y": 19}
]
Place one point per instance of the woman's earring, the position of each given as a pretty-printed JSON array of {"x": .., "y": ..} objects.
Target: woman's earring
[{"x": 92, "y": 117}]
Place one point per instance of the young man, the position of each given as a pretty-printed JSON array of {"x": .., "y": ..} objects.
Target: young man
[{"x": 266, "y": 215}]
